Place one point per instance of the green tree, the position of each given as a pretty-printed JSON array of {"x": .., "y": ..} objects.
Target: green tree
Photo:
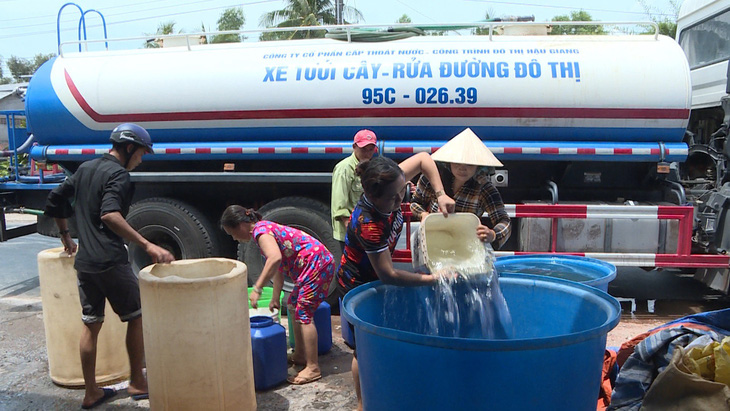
[
  {"x": 302, "y": 13},
  {"x": 488, "y": 16},
  {"x": 202, "y": 30},
  {"x": 19, "y": 66},
  {"x": 3, "y": 80},
  {"x": 405, "y": 19},
  {"x": 572, "y": 30},
  {"x": 667, "y": 25},
  {"x": 230, "y": 19},
  {"x": 163, "y": 29}
]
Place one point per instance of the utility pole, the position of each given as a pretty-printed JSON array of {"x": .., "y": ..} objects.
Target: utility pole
[{"x": 338, "y": 11}]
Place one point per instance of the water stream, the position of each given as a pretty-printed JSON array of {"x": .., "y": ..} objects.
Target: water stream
[{"x": 466, "y": 302}]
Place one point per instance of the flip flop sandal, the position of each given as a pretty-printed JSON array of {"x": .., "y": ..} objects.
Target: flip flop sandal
[
  {"x": 108, "y": 393},
  {"x": 142, "y": 396},
  {"x": 302, "y": 380}
]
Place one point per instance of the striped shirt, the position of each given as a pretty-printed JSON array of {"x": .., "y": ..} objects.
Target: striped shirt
[{"x": 477, "y": 196}]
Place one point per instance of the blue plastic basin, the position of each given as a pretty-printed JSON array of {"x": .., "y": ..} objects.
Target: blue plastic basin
[
  {"x": 553, "y": 362},
  {"x": 588, "y": 271}
]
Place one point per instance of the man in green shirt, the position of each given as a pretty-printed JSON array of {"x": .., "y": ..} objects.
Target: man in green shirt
[{"x": 346, "y": 187}]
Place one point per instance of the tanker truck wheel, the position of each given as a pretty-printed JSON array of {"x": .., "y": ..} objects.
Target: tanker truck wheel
[
  {"x": 306, "y": 220},
  {"x": 298, "y": 202},
  {"x": 314, "y": 206},
  {"x": 173, "y": 225}
]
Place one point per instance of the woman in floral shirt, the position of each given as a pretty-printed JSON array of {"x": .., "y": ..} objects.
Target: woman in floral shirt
[{"x": 308, "y": 264}]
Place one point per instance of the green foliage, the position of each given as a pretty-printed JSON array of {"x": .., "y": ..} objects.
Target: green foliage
[
  {"x": 230, "y": 19},
  {"x": 573, "y": 30},
  {"x": 7, "y": 162},
  {"x": 488, "y": 16},
  {"x": 4, "y": 167},
  {"x": 202, "y": 30},
  {"x": 302, "y": 13},
  {"x": 275, "y": 35},
  {"x": 405, "y": 19},
  {"x": 667, "y": 25},
  {"x": 19, "y": 66},
  {"x": 163, "y": 29}
]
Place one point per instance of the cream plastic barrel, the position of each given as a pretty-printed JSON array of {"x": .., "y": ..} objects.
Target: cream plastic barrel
[
  {"x": 449, "y": 242},
  {"x": 197, "y": 335},
  {"x": 62, "y": 321}
]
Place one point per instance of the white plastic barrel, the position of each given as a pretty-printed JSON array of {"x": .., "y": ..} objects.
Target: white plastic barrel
[
  {"x": 197, "y": 335},
  {"x": 63, "y": 325}
]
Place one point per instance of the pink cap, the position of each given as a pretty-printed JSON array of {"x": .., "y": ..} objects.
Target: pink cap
[{"x": 365, "y": 137}]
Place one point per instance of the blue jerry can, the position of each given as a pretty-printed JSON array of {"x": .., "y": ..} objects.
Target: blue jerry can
[
  {"x": 323, "y": 323},
  {"x": 268, "y": 346}
]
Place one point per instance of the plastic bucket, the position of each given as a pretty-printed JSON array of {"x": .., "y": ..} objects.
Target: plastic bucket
[
  {"x": 553, "y": 362},
  {"x": 263, "y": 304},
  {"x": 585, "y": 270}
]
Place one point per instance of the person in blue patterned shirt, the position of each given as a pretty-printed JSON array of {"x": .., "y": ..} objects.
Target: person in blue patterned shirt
[{"x": 375, "y": 226}]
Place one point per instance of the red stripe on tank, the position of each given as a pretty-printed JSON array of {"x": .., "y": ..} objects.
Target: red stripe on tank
[{"x": 390, "y": 112}]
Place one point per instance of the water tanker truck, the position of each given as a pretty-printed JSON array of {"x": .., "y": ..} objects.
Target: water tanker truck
[{"x": 593, "y": 132}]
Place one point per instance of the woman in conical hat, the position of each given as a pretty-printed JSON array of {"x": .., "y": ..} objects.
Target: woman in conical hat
[{"x": 463, "y": 164}]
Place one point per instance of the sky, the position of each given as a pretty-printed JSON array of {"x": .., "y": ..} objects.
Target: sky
[{"x": 28, "y": 27}]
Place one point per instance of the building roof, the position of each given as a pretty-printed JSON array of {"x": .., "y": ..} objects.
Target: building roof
[{"x": 12, "y": 96}]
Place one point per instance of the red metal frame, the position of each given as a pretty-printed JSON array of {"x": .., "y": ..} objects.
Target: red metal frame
[{"x": 683, "y": 258}]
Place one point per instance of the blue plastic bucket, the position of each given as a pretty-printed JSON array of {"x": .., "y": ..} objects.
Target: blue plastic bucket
[
  {"x": 585, "y": 270},
  {"x": 554, "y": 361}
]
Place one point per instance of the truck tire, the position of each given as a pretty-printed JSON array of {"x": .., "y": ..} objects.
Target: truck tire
[
  {"x": 298, "y": 202},
  {"x": 303, "y": 219},
  {"x": 173, "y": 225},
  {"x": 312, "y": 205}
]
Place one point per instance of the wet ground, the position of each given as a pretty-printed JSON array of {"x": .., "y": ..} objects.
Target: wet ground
[{"x": 648, "y": 299}]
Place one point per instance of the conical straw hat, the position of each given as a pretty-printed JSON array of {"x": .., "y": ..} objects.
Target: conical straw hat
[{"x": 466, "y": 148}]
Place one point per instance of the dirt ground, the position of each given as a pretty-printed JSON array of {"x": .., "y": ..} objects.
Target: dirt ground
[{"x": 25, "y": 383}]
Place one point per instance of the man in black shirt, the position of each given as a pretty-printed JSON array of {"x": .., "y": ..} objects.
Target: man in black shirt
[{"x": 101, "y": 192}]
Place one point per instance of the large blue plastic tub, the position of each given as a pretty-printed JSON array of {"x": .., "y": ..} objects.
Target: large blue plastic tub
[
  {"x": 553, "y": 362},
  {"x": 588, "y": 271}
]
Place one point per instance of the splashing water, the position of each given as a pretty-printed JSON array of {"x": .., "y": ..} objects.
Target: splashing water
[{"x": 467, "y": 302}]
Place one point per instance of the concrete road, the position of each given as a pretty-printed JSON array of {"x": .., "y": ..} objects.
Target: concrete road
[{"x": 19, "y": 267}]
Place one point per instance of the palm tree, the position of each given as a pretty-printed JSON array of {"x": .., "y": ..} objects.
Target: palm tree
[
  {"x": 162, "y": 30},
  {"x": 301, "y": 13}
]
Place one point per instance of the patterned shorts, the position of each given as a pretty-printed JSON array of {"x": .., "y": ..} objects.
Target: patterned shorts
[{"x": 312, "y": 286}]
